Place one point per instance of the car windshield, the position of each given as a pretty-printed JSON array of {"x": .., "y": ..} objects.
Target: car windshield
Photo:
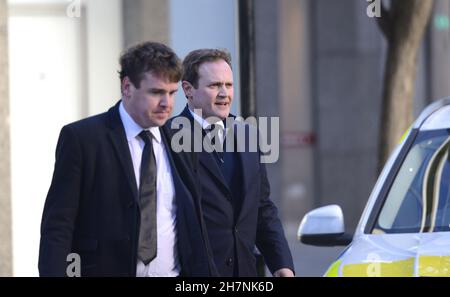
[{"x": 419, "y": 198}]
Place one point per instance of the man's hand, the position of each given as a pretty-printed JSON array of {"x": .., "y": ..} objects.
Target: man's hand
[{"x": 283, "y": 272}]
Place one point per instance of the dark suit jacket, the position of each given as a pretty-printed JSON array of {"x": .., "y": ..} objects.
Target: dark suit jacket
[
  {"x": 233, "y": 237},
  {"x": 91, "y": 208}
]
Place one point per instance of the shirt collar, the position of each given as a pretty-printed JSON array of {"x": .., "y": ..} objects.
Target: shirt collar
[
  {"x": 132, "y": 129},
  {"x": 203, "y": 122}
]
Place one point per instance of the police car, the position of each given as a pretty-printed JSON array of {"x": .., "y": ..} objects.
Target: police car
[{"x": 405, "y": 227}]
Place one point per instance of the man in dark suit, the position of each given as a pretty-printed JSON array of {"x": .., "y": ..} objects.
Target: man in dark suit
[
  {"x": 234, "y": 188},
  {"x": 116, "y": 198}
]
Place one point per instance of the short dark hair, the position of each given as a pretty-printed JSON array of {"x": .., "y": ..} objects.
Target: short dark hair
[
  {"x": 194, "y": 59},
  {"x": 149, "y": 56}
]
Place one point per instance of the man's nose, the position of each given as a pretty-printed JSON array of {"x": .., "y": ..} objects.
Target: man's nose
[
  {"x": 223, "y": 91},
  {"x": 164, "y": 100}
]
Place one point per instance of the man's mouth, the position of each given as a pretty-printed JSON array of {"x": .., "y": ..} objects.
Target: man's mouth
[
  {"x": 162, "y": 113},
  {"x": 221, "y": 104}
]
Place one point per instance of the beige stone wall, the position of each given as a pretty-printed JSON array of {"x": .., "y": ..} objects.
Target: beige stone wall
[
  {"x": 145, "y": 20},
  {"x": 5, "y": 171}
]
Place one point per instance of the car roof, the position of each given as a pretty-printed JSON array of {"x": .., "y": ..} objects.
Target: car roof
[{"x": 434, "y": 116}]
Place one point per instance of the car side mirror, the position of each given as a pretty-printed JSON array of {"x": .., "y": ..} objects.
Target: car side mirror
[{"x": 324, "y": 226}]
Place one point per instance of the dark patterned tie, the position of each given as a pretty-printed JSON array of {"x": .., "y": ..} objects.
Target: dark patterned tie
[
  {"x": 147, "y": 200},
  {"x": 213, "y": 132}
]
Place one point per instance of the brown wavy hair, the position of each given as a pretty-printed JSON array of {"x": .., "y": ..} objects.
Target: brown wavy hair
[
  {"x": 194, "y": 59},
  {"x": 149, "y": 56}
]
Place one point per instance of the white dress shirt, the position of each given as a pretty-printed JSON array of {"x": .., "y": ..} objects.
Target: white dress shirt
[
  {"x": 166, "y": 262},
  {"x": 205, "y": 125}
]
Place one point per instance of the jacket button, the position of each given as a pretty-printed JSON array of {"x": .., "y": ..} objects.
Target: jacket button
[
  {"x": 236, "y": 230},
  {"x": 229, "y": 261}
]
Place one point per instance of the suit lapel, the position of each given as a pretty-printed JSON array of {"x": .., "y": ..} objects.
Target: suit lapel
[
  {"x": 119, "y": 141},
  {"x": 182, "y": 196},
  {"x": 177, "y": 179},
  {"x": 186, "y": 177},
  {"x": 206, "y": 159},
  {"x": 178, "y": 183}
]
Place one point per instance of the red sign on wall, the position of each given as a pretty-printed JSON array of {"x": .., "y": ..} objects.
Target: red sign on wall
[{"x": 297, "y": 139}]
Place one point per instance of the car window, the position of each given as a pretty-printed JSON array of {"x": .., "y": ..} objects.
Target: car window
[{"x": 419, "y": 198}]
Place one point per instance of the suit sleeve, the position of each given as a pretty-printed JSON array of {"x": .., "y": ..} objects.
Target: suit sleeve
[
  {"x": 270, "y": 238},
  {"x": 61, "y": 206}
]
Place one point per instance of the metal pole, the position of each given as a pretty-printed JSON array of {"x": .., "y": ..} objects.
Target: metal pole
[
  {"x": 247, "y": 57},
  {"x": 247, "y": 77}
]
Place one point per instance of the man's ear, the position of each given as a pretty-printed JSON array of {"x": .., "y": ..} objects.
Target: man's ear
[
  {"x": 187, "y": 89},
  {"x": 127, "y": 87}
]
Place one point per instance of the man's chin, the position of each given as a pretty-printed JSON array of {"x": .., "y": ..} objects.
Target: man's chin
[
  {"x": 158, "y": 122},
  {"x": 222, "y": 114}
]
